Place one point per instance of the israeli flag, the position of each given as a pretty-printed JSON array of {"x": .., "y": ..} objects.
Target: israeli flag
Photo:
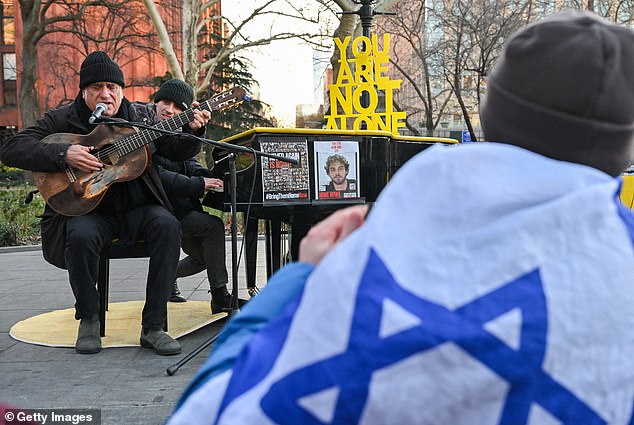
[{"x": 489, "y": 285}]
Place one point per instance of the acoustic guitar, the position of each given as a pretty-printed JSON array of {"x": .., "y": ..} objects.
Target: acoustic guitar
[{"x": 124, "y": 152}]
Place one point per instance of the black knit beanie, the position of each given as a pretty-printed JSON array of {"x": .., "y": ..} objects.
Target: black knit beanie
[
  {"x": 99, "y": 67},
  {"x": 564, "y": 88},
  {"x": 178, "y": 91}
]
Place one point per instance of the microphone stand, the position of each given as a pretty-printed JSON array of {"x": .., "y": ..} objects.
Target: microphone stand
[{"x": 233, "y": 154}]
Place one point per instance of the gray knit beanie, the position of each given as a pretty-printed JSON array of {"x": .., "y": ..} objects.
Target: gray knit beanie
[
  {"x": 178, "y": 91},
  {"x": 564, "y": 88},
  {"x": 99, "y": 67}
]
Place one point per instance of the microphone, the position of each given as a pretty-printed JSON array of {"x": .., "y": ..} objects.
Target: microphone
[{"x": 96, "y": 114}]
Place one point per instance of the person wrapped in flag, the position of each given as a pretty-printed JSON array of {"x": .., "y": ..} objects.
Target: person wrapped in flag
[{"x": 498, "y": 293}]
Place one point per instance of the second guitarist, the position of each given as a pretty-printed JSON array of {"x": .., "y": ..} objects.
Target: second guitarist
[
  {"x": 133, "y": 210},
  {"x": 203, "y": 234}
]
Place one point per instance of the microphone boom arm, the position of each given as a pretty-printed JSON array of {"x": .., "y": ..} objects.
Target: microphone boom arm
[{"x": 228, "y": 147}]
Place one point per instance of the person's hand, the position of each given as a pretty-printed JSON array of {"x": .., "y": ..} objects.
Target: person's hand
[
  {"x": 201, "y": 118},
  {"x": 213, "y": 184},
  {"x": 325, "y": 235},
  {"x": 79, "y": 156}
]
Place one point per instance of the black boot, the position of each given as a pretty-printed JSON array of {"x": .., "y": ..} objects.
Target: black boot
[
  {"x": 176, "y": 296},
  {"x": 88, "y": 337},
  {"x": 220, "y": 300}
]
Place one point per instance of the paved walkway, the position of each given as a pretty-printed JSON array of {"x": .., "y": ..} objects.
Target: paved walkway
[{"x": 128, "y": 385}]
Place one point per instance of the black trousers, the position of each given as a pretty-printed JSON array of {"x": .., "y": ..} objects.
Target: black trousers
[
  {"x": 204, "y": 243},
  {"x": 86, "y": 236}
]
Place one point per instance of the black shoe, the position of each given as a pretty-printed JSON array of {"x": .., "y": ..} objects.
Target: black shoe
[
  {"x": 176, "y": 296},
  {"x": 221, "y": 300},
  {"x": 88, "y": 336}
]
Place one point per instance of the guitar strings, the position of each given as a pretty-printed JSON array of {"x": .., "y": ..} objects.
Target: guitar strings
[
  {"x": 134, "y": 141},
  {"x": 130, "y": 143}
]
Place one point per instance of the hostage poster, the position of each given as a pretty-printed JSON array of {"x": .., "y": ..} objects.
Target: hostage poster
[
  {"x": 336, "y": 170},
  {"x": 282, "y": 182}
]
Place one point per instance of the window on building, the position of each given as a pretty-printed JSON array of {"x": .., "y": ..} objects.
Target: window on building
[
  {"x": 9, "y": 76},
  {"x": 8, "y": 23},
  {"x": 9, "y": 71}
]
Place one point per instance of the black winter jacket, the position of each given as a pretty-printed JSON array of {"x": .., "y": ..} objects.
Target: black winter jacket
[{"x": 184, "y": 183}]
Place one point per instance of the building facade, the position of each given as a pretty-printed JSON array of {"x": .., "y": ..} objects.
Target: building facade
[
  {"x": 125, "y": 33},
  {"x": 9, "y": 116}
]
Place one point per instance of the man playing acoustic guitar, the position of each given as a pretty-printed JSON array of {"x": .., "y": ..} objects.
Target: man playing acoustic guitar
[{"x": 132, "y": 210}]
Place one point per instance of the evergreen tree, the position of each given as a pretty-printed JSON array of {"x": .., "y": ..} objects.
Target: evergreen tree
[{"x": 247, "y": 115}]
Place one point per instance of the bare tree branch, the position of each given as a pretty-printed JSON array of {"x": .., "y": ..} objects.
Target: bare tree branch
[{"x": 238, "y": 36}]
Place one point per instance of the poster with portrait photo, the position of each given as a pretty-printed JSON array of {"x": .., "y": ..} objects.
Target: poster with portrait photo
[{"x": 336, "y": 170}]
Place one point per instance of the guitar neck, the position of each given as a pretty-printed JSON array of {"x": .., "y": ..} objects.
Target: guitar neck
[
  {"x": 185, "y": 117},
  {"x": 145, "y": 137}
]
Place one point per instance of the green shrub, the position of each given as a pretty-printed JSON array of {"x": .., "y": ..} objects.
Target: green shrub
[
  {"x": 8, "y": 234},
  {"x": 19, "y": 224},
  {"x": 10, "y": 176}
]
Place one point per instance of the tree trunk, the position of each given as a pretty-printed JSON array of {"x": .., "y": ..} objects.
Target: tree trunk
[
  {"x": 191, "y": 63},
  {"x": 467, "y": 119},
  {"x": 29, "y": 109}
]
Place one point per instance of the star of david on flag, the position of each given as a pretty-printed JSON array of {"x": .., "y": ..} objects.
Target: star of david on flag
[{"x": 390, "y": 324}]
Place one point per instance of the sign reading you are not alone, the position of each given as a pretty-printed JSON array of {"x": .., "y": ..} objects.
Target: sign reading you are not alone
[{"x": 365, "y": 72}]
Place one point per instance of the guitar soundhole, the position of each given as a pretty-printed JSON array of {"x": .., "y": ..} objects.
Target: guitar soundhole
[{"x": 107, "y": 154}]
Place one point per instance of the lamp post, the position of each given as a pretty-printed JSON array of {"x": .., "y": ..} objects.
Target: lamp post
[{"x": 366, "y": 13}]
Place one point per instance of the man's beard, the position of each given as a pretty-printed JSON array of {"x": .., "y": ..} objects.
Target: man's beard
[{"x": 339, "y": 180}]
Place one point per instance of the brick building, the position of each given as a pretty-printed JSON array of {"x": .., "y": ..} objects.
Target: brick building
[{"x": 60, "y": 54}]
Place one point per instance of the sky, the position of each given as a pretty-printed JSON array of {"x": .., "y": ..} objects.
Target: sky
[
  {"x": 285, "y": 73},
  {"x": 284, "y": 69}
]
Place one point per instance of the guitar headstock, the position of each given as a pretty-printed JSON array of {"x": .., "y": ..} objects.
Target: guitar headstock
[{"x": 227, "y": 99}]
